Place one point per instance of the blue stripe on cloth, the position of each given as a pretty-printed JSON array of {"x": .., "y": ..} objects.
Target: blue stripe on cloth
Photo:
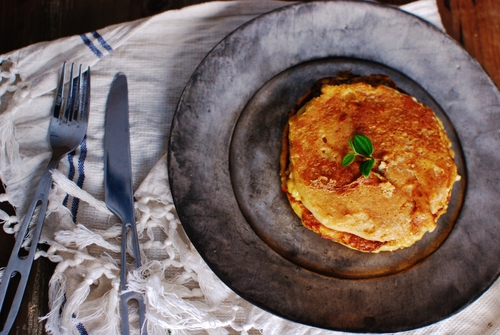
[
  {"x": 91, "y": 45},
  {"x": 71, "y": 174},
  {"x": 75, "y": 204},
  {"x": 80, "y": 327},
  {"x": 101, "y": 40},
  {"x": 81, "y": 175}
]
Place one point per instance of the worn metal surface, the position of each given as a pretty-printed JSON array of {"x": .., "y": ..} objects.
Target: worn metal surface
[
  {"x": 254, "y": 167},
  {"x": 119, "y": 192},
  {"x": 227, "y": 201}
]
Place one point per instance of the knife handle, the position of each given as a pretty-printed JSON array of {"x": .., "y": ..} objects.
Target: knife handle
[
  {"x": 126, "y": 297},
  {"x": 16, "y": 274}
]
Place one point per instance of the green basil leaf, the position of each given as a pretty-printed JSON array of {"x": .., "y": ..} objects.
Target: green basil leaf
[
  {"x": 351, "y": 145},
  {"x": 363, "y": 145},
  {"x": 366, "y": 167},
  {"x": 348, "y": 159}
]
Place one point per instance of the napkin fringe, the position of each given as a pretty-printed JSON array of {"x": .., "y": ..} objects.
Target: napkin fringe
[
  {"x": 181, "y": 292},
  {"x": 76, "y": 294},
  {"x": 8, "y": 222},
  {"x": 56, "y": 301},
  {"x": 66, "y": 314}
]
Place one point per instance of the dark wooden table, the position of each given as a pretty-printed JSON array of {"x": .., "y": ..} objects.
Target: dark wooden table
[{"x": 475, "y": 24}]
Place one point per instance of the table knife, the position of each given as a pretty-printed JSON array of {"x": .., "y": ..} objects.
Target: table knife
[{"x": 119, "y": 195}]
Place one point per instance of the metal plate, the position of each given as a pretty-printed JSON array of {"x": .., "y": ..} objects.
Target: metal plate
[{"x": 224, "y": 169}]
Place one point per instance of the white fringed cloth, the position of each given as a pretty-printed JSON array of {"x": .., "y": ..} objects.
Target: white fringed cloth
[{"x": 183, "y": 296}]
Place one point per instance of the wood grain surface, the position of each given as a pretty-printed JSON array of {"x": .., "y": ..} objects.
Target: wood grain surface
[{"x": 475, "y": 24}]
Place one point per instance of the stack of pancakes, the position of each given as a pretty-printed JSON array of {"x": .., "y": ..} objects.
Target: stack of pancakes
[{"x": 409, "y": 186}]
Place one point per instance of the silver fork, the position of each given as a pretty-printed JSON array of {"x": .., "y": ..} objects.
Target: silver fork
[{"x": 67, "y": 130}]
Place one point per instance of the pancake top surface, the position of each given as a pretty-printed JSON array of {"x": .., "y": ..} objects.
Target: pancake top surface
[{"x": 410, "y": 183}]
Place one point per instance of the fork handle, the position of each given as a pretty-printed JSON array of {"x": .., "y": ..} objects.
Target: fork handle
[{"x": 20, "y": 265}]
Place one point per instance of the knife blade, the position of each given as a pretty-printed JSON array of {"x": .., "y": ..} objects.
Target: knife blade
[{"x": 118, "y": 188}]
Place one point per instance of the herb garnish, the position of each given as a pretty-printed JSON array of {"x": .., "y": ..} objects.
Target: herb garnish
[{"x": 361, "y": 146}]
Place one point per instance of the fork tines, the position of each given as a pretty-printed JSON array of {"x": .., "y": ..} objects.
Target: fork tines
[{"x": 77, "y": 95}]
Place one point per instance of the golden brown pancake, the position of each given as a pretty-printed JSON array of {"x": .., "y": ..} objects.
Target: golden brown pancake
[{"x": 409, "y": 186}]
